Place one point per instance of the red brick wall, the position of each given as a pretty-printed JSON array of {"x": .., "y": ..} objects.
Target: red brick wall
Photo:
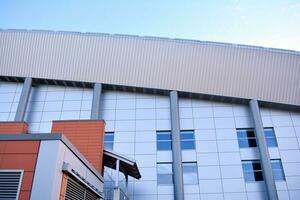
[
  {"x": 20, "y": 155},
  {"x": 13, "y": 127},
  {"x": 86, "y": 135}
]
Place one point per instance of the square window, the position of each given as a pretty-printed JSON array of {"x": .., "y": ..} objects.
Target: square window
[
  {"x": 164, "y": 140},
  {"x": 190, "y": 173},
  {"x": 187, "y": 140},
  {"x": 246, "y": 138},
  {"x": 164, "y": 174},
  {"x": 252, "y": 170}
]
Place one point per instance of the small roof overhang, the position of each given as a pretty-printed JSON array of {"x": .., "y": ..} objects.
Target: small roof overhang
[{"x": 127, "y": 166}]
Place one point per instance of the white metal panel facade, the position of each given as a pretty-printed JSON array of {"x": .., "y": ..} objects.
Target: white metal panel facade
[{"x": 193, "y": 66}]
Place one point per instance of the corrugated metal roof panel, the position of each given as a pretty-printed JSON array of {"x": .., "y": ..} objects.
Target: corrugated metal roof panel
[{"x": 185, "y": 65}]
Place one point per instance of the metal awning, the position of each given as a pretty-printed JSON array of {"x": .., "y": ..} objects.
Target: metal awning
[{"x": 127, "y": 166}]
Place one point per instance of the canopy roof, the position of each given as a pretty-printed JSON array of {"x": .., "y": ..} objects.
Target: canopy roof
[{"x": 127, "y": 166}]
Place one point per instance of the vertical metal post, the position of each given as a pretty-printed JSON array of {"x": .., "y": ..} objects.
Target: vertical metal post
[
  {"x": 117, "y": 175},
  {"x": 95, "y": 114},
  {"x": 126, "y": 182},
  {"x": 23, "y": 102},
  {"x": 176, "y": 148},
  {"x": 263, "y": 150},
  {"x": 117, "y": 189}
]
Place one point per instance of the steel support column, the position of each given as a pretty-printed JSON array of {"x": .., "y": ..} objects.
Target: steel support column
[
  {"x": 95, "y": 114},
  {"x": 263, "y": 150},
  {"x": 23, "y": 102},
  {"x": 176, "y": 148},
  {"x": 116, "y": 188},
  {"x": 117, "y": 173}
]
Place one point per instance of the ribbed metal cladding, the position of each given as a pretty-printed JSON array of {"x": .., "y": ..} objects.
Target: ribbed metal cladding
[
  {"x": 75, "y": 191},
  {"x": 9, "y": 184},
  {"x": 181, "y": 65}
]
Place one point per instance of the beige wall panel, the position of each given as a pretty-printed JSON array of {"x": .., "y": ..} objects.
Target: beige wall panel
[{"x": 210, "y": 68}]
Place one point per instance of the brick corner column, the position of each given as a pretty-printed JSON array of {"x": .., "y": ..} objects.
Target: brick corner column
[
  {"x": 86, "y": 135},
  {"x": 13, "y": 127}
]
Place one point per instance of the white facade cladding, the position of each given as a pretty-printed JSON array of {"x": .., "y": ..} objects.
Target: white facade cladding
[
  {"x": 10, "y": 93},
  {"x": 209, "y": 120},
  {"x": 48, "y": 103},
  {"x": 135, "y": 118},
  {"x": 217, "y": 153}
]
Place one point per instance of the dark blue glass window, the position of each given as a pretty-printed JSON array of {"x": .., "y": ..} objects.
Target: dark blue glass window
[
  {"x": 164, "y": 174},
  {"x": 109, "y": 140},
  {"x": 246, "y": 138},
  {"x": 270, "y": 137},
  {"x": 164, "y": 140},
  {"x": 187, "y": 140},
  {"x": 252, "y": 170},
  {"x": 277, "y": 169}
]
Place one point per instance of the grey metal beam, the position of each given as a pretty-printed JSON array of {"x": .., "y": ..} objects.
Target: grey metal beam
[
  {"x": 263, "y": 150},
  {"x": 95, "y": 114},
  {"x": 176, "y": 148},
  {"x": 23, "y": 102}
]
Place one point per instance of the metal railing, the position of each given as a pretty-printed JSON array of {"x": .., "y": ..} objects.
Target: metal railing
[
  {"x": 122, "y": 195},
  {"x": 110, "y": 191}
]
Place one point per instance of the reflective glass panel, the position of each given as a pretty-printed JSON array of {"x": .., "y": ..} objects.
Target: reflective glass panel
[
  {"x": 277, "y": 169},
  {"x": 164, "y": 174},
  {"x": 163, "y": 140},
  {"x": 252, "y": 170},
  {"x": 190, "y": 173},
  {"x": 187, "y": 139}
]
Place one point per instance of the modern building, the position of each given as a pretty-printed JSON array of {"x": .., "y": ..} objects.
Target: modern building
[{"x": 179, "y": 119}]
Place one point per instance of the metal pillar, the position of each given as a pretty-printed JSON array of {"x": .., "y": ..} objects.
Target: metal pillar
[
  {"x": 176, "y": 148},
  {"x": 126, "y": 185},
  {"x": 23, "y": 102},
  {"x": 117, "y": 173},
  {"x": 263, "y": 150},
  {"x": 116, "y": 188},
  {"x": 95, "y": 114}
]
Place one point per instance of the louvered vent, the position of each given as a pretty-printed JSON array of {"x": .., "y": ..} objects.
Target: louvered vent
[
  {"x": 9, "y": 184},
  {"x": 76, "y": 191}
]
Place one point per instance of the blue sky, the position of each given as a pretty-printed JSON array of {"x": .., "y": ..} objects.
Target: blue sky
[{"x": 269, "y": 23}]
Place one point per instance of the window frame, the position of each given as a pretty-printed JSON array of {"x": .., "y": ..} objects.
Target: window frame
[
  {"x": 158, "y": 174},
  {"x": 273, "y": 137},
  {"x": 184, "y": 140},
  {"x": 246, "y": 138},
  {"x": 109, "y": 142},
  {"x": 160, "y": 141},
  {"x": 187, "y": 173},
  {"x": 253, "y": 171},
  {"x": 269, "y": 139},
  {"x": 281, "y": 170}
]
